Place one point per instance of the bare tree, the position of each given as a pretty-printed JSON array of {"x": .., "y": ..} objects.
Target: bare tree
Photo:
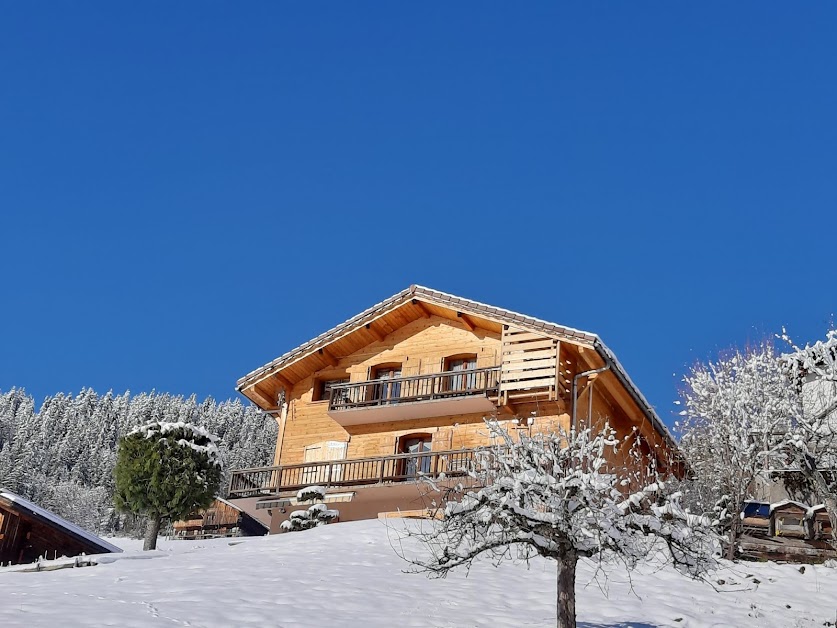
[
  {"x": 739, "y": 411},
  {"x": 564, "y": 497}
]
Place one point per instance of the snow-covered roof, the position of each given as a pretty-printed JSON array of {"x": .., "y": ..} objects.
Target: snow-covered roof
[
  {"x": 787, "y": 502},
  {"x": 51, "y": 517}
]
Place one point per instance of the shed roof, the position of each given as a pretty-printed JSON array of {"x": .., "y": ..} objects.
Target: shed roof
[{"x": 16, "y": 502}]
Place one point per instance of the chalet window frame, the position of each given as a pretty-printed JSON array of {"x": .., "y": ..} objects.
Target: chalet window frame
[
  {"x": 319, "y": 394},
  {"x": 410, "y": 468},
  {"x": 460, "y": 382},
  {"x": 384, "y": 389}
]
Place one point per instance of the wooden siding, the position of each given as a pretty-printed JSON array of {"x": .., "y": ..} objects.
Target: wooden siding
[
  {"x": 421, "y": 348},
  {"x": 420, "y": 338}
]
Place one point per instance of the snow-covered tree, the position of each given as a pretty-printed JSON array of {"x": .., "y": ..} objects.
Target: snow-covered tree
[
  {"x": 812, "y": 446},
  {"x": 738, "y": 411},
  {"x": 63, "y": 455},
  {"x": 564, "y": 497},
  {"x": 317, "y": 514},
  {"x": 166, "y": 471}
]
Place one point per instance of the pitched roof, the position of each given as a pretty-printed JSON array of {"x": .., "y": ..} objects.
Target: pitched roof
[
  {"x": 466, "y": 306},
  {"x": 13, "y": 500}
]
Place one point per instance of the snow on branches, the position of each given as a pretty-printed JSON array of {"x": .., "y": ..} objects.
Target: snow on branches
[
  {"x": 738, "y": 412},
  {"x": 812, "y": 446},
  {"x": 565, "y": 496},
  {"x": 315, "y": 515},
  {"x": 199, "y": 439}
]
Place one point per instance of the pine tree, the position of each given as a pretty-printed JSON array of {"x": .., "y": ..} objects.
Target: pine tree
[{"x": 166, "y": 471}]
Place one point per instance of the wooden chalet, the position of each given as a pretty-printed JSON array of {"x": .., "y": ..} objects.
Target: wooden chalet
[
  {"x": 403, "y": 388},
  {"x": 221, "y": 519},
  {"x": 28, "y": 532}
]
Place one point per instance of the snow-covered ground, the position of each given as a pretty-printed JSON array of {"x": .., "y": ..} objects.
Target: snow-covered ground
[{"x": 348, "y": 575}]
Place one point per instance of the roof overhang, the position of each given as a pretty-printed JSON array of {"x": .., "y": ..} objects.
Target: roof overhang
[{"x": 419, "y": 301}]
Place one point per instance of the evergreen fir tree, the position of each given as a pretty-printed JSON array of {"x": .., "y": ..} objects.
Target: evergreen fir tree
[{"x": 166, "y": 471}]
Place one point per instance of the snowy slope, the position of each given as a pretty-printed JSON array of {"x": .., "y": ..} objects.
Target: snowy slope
[{"x": 348, "y": 575}]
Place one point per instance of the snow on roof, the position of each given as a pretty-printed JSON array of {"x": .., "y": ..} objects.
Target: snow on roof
[
  {"x": 787, "y": 502},
  {"x": 55, "y": 519},
  {"x": 433, "y": 296},
  {"x": 445, "y": 299}
]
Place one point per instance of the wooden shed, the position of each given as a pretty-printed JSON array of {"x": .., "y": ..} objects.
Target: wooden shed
[
  {"x": 222, "y": 518},
  {"x": 756, "y": 518},
  {"x": 787, "y": 518},
  {"x": 28, "y": 532},
  {"x": 820, "y": 523}
]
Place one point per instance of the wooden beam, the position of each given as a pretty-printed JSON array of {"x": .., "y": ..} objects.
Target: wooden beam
[
  {"x": 378, "y": 335},
  {"x": 329, "y": 358},
  {"x": 466, "y": 321},
  {"x": 421, "y": 308},
  {"x": 284, "y": 383},
  {"x": 259, "y": 398}
]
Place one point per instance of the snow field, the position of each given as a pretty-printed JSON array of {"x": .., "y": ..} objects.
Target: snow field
[{"x": 349, "y": 575}]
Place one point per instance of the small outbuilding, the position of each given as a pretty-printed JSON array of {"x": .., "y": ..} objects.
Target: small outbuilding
[
  {"x": 788, "y": 518},
  {"x": 222, "y": 518},
  {"x": 756, "y": 517},
  {"x": 29, "y": 532},
  {"x": 819, "y": 522}
]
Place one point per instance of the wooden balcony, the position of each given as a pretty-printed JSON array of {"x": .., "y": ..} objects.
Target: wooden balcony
[
  {"x": 416, "y": 397},
  {"x": 349, "y": 473}
]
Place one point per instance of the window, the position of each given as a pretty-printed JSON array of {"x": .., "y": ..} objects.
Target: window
[
  {"x": 386, "y": 389},
  {"x": 322, "y": 388},
  {"x": 414, "y": 444},
  {"x": 464, "y": 378}
]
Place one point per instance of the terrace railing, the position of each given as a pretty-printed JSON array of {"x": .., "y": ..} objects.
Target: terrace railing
[
  {"x": 348, "y": 473},
  {"x": 414, "y": 389}
]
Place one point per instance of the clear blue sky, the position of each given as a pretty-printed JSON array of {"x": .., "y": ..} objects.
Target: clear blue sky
[{"x": 188, "y": 190}]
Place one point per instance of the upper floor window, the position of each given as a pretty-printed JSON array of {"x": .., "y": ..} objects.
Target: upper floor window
[
  {"x": 322, "y": 387},
  {"x": 462, "y": 367},
  {"x": 386, "y": 389}
]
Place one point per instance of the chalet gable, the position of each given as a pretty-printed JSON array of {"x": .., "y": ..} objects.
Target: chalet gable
[
  {"x": 384, "y": 318},
  {"x": 585, "y": 350}
]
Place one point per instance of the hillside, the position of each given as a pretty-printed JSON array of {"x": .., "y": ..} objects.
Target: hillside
[
  {"x": 62, "y": 456},
  {"x": 349, "y": 575}
]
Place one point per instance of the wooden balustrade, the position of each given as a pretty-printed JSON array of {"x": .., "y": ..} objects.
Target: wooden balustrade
[
  {"x": 417, "y": 388},
  {"x": 348, "y": 473}
]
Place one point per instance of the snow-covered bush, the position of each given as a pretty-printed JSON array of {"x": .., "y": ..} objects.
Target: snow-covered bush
[
  {"x": 317, "y": 514},
  {"x": 564, "y": 496}
]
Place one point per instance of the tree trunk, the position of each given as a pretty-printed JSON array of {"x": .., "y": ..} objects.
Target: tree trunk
[
  {"x": 152, "y": 529},
  {"x": 566, "y": 589},
  {"x": 734, "y": 533}
]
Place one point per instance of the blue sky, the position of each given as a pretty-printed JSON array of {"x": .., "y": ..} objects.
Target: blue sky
[{"x": 187, "y": 190}]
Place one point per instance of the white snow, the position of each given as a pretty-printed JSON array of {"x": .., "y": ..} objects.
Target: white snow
[
  {"x": 92, "y": 538},
  {"x": 161, "y": 428},
  {"x": 349, "y": 575}
]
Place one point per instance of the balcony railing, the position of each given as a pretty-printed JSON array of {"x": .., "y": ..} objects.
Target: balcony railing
[
  {"x": 482, "y": 382},
  {"x": 349, "y": 473}
]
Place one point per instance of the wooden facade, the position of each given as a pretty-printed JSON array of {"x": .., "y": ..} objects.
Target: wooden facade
[
  {"x": 416, "y": 376},
  {"x": 28, "y": 533},
  {"x": 221, "y": 519}
]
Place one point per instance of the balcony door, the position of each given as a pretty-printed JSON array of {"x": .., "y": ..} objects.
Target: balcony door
[
  {"x": 463, "y": 378},
  {"x": 387, "y": 388},
  {"x": 415, "y": 444}
]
